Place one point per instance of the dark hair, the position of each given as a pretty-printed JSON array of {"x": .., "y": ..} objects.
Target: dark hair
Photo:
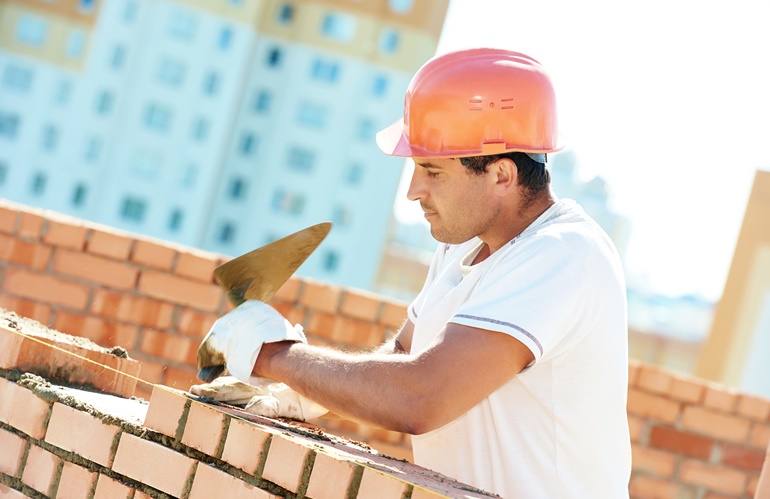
[{"x": 533, "y": 176}]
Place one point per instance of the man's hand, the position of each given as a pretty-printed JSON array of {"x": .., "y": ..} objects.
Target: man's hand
[
  {"x": 236, "y": 338},
  {"x": 264, "y": 398}
]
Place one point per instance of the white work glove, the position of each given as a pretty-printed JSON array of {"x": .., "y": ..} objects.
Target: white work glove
[
  {"x": 236, "y": 338},
  {"x": 264, "y": 397}
]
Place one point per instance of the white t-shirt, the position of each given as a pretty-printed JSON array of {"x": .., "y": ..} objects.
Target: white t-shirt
[{"x": 558, "y": 429}]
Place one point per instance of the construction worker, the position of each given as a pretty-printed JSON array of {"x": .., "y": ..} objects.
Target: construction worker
[{"x": 511, "y": 369}]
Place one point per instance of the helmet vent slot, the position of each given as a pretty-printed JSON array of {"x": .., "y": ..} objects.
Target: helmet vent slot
[
  {"x": 506, "y": 103},
  {"x": 475, "y": 104}
]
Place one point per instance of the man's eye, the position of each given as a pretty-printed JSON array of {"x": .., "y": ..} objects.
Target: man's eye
[{"x": 432, "y": 174}]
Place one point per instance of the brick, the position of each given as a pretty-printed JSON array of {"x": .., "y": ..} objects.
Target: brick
[
  {"x": 654, "y": 380},
  {"x": 720, "y": 399},
  {"x": 198, "y": 267},
  {"x": 756, "y": 408},
  {"x": 210, "y": 482},
  {"x": 22, "y": 409},
  {"x": 643, "y": 486},
  {"x": 419, "y": 493},
  {"x": 101, "y": 332},
  {"x": 181, "y": 379},
  {"x": 194, "y": 323},
  {"x": 8, "y": 217},
  {"x": 206, "y": 297},
  {"x": 321, "y": 325},
  {"x": 108, "y": 488},
  {"x": 290, "y": 290},
  {"x": 718, "y": 478},
  {"x": 244, "y": 445},
  {"x": 96, "y": 269},
  {"x": 285, "y": 463},
  {"x": 204, "y": 429},
  {"x": 79, "y": 432},
  {"x": 8, "y": 493},
  {"x": 646, "y": 405},
  {"x": 133, "y": 309},
  {"x": 29, "y": 254},
  {"x": 75, "y": 482},
  {"x": 659, "y": 463},
  {"x": 153, "y": 255},
  {"x": 320, "y": 297},
  {"x": 360, "y": 305},
  {"x": 633, "y": 373},
  {"x": 152, "y": 372},
  {"x": 41, "y": 470},
  {"x": 357, "y": 332},
  {"x": 153, "y": 465},
  {"x": 110, "y": 244},
  {"x": 681, "y": 442},
  {"x": 30, "y": 225},
  {"x": 46, "y": 288},
  {"x": 331, "y": 477},
  {"x": 759, "y": 435},
  {"x": 685, "y": 390},
  {"x": 393, "y": 314},
  {"x": 12, "y": 447},
  {"x": 65, "y": 234},
  {"x": 166, "y": 411},
  {"x": 376, "y": 485},
  {"x": 715, "y": 424},
  {"x": 742, "y": 457},
  {"x": 171, "y": 347},
  {"x": 31, "y": 309},
  {"x": 636, "y": 427}
]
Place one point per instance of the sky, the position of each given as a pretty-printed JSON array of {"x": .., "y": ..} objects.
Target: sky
[{"x": 667, "y": 100}]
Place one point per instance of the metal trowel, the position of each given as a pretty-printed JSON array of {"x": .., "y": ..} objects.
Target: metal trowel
[{"x": 258, "y": 274}]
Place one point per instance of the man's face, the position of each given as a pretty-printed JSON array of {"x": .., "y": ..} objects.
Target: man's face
[{"x": 457, "y": 203}]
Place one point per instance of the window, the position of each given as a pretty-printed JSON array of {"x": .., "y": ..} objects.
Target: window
[
  {"x": 325, "y": 70},
  {"x": 237, "y": 188},
  {"x": 182, "y": 25},
  {"x": 289, "y": 203},
  {"x": 129, "y": 12},
  {"x": 79, "y": 195},
  {"x": 175, "y": 219},
  {"x": 93, "y": 149},
  {"x": 3, "y": 173},
  {"x": 118, "y": 56},
  {"x": 17, "y": 78},
  {"x": 388, "y": 41},
  {"x": 146, "y": 164},
  {"x": 341, "y": 216},
  {"x": 274, "y": 57},
  {"x": 285, "y": 13},
  {"x": 31, "y": 30},
  {"x": 39, "y": 181},
  {"x": 171, "y": 72},
  {"x": 200, "y": 129},
  {"x": 104, "y": 102},
  {"x": 211, "y": 83},
  {"x": 262, "y": 101},
  {"x": 312, "y": 115},
  {"x": 365, "y": 131},
  {"x": 157, "y": 117},
  {"x": 226, "y": 232},
  {"x": 301, "y": 159},
  {"x": 63, "y": 92},
  {"x": 76, "y": 43},
  {"x": 225, "y": 38},
  {"x": 331, "y": 260},
  {"x": 248, "y": 143},
  {"x": 400, "y": 6},
  {"x": 379, "y": 85},
  {"x": 50, "y": 138},
  {"x": 133, "y": 209},
  {"x": 189, "y": 176},
  {"x": 9, "y": 125},
  {"x": 354, "y": 174},
  {"x": 339, "y": 27}
]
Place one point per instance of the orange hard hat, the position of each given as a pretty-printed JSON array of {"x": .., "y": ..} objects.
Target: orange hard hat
[{"x": 475, "y": 102}]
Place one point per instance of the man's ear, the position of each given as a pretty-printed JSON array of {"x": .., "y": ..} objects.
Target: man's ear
[{"x": 505, "y": 174}]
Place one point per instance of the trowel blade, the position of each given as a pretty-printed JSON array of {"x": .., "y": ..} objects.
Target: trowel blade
[{"x": 258, "y": 274}]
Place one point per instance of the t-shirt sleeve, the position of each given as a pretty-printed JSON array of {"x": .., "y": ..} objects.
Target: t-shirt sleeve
[{"x": 536, "y": 294}]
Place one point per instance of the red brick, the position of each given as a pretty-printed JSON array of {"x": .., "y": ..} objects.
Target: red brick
[
  {"x": 285, "y": 463},
  {"x": 46, "y": 288},
  {"x": 720, "y": 399},
  {"x": 169, "y": 346},
  {"x": 330, "y": 478},
  {"x": 756, "y": 408},
  {"x": 759, "y": 435},
  {"x": 681, "y": 442},
  {"x": 181, "y": 379},
  {"x": 419, "y": 493},
  {"x": 289, "y": 291},
  {"x": 204, "y": 428},
  {"x": 110, "y": 244},
  {"x": 101, "y": 332},
  {"x": 243, "y": 446},
  {"x": 153, "y": 254},
  {"x": 65, "y": 234},
  {"x": 376, "y": 485},
  {"x": 12, "y": 447},
  {"x": 742, "y": 457},
  {"x": 636, "y": 428},
  {"x": 654, "y": 379},
  {"x": 206, "y": 297},
  {"x": 28, "y": 254},
  {"x": 8, "y": 217},
  {"x": 357, "y": 332},
  {"x": 321, "y": 325},
  {"x": 9, "y": 493},
  {"x": 687, "y": 390},
  {"x": 167, "y": 407},
  {"x": 95, "y": 269},
  {"x": 361, "y": 305},
  {"x": 195, "y": 323},
  {"x": 107, "y": 488},
  {"x": 647, "y": 405},
  {"x": 633, "y": 373},
  {"x": 75, "y": 482},
  {"x": 199, "y": 267},
  {"x": 152, "y": 372},
  {"x": 152, "y": 464},
  {"x": 718, "y": 478},
  {"x": 133, "y": 309},
  {"x": 210, "y": 482},
  {"x": 643, "y": 487},
  {"x": 79, "y": 432},
  {"x": 31, "y": 309},
  {"x": 41, "y": 470},
  {"x": 22, "y": 409},
  {"x": 30, "y": 225},
  {"x": 715, "y": 424},
  {"x": 320, "y": 296},
  {"x": 393, "y": 314}
]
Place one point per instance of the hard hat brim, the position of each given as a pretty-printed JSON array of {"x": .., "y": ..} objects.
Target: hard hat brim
[{"x": 392, "y": 140}]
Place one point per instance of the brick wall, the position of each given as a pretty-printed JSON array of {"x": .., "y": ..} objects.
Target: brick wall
[{"x": 691, "y": 439}]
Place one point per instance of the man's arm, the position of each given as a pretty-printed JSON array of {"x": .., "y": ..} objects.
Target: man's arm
[
  {"x": 401, "y": 343},
  {"x": 412, "y": 392}
]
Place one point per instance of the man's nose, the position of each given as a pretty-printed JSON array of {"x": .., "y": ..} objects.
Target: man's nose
[{"x": 416, "y": 190}]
